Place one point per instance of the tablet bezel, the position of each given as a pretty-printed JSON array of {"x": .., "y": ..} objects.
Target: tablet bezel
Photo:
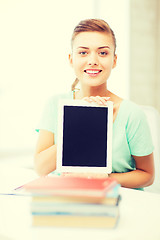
[{"x": 83, "y": 169}]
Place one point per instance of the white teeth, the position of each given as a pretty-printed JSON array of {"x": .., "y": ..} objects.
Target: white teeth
[{"x": 92, "y": 72}]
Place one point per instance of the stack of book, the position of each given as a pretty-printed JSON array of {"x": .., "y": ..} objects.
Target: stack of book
[{"x": 74, "y": 202}]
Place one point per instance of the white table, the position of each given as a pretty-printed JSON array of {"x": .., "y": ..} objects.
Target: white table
[{"x": 139, "y": 216}]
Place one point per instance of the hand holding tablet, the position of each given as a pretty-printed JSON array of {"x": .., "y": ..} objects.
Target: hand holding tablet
[{"x": 99, "y": 100}]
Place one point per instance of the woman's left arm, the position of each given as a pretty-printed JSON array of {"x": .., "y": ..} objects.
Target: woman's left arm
[{"x": 143, "y": 176}]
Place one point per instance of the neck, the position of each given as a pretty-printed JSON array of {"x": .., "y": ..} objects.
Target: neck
[{"x": 93, "y": 91}]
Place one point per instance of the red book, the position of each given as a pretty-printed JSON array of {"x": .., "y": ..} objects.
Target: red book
[{"x": 71, "y": 186}]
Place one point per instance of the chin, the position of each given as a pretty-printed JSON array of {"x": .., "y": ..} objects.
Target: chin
[{"x": 94, "y": 83}]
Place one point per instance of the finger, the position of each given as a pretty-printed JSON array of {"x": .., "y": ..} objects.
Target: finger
[
  {"x": 96, "y": 100},
  {"x": 106, "y": 98},
  {"x": 101, "y": 100},
  {"x": 88, "y": 99}
]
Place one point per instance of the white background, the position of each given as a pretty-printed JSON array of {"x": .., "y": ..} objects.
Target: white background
[{"x": 34, "y": 45}]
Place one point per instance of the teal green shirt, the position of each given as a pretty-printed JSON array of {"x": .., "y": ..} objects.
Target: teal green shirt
[{"x": 131, "y": 133}]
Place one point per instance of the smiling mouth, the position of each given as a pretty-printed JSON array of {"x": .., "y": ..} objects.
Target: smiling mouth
[{"x": 92, "y": 72}]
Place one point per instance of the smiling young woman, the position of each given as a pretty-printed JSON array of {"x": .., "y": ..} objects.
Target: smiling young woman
[
  {"x": 93, "y": 57},
  {"x": 105, "y": 43}
]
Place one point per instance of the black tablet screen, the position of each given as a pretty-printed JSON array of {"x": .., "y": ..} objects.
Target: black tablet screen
[{"x": 85, "y": 136}]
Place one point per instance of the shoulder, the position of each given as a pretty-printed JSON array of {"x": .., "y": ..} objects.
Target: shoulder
[
  {"x": 48, "y": 120},
  {"x": 130, "y": 116},
  {"x": 51, "y": 105},
  {"x": 130, "y": 106},
  {"x": 135, "y": 119},
  {"x": 132, "y": 110}
]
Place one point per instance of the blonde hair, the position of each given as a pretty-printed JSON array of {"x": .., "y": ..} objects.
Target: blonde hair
[{"x": 91, "y": 25}]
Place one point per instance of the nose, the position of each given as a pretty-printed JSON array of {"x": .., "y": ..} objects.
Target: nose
[{"x": 93, "y": 60}]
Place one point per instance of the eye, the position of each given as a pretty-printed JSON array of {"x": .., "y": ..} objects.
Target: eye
[
  {"x": 83, "y": 53},
  {"x": 103, "y": 53}
]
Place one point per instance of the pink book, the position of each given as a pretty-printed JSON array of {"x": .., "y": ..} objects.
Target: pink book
[{"x": 71, "y": 186}]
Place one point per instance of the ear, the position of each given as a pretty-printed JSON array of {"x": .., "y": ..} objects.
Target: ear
[
  {"x": 114, "y": 61},
  {"x": 70, "y": 57}
]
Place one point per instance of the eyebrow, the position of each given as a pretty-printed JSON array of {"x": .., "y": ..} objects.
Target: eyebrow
[
  {"x": 98, "y": 48},
  {"x": 104, "y": 47}
]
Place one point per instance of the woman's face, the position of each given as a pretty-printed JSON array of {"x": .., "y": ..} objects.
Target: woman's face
[{"x": 93, "y": 57}]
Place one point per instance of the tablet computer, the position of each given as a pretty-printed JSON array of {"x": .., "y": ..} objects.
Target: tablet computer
[{"x": 84, "y": 141}]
